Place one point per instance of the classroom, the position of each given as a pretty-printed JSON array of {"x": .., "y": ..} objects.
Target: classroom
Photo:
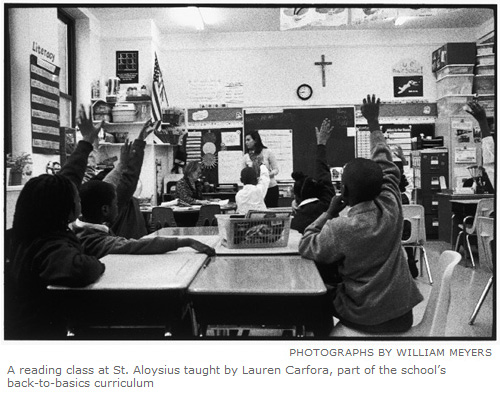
[{"x": 258, "y": 171}]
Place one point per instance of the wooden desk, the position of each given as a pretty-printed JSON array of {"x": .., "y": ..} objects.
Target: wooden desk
[
  {"x": 257, "y": 290},
  {"x": 135, "y": 291},
  {"x": 445, "y": 211}
]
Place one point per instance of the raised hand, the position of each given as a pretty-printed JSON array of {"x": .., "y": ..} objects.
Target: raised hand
[
  {"x": 147, "y": 128},
  {"x": 324, "y": 132},
  {"x": 88, "y": 129},
  {"x": 370, "y": 108},
  {"x": 477, "y": 111},
  {"x": 126, "y": 152}
]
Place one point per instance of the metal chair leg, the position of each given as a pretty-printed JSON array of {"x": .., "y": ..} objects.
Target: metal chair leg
[
  {"x": 467, "y": 239},
  {"x": 457, "y": 243},
  {"x": 481, "y": 301},
  {"x": 424, "y": 253}
]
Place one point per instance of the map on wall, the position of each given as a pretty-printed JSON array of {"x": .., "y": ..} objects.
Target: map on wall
[{"x": 44, "y": 82}]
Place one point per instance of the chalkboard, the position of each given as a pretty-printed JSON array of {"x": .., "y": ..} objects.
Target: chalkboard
[{"x": 302, "y": 122}]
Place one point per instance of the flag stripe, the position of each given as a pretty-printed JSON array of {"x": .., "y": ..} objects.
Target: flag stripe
[{"x": 159, "y": 93}]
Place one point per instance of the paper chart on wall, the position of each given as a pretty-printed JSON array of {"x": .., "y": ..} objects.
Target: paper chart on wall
[
  {"x": 280, "y": 143},
  {"x": 230, "y": 163},
  {"x": 230, "y": 138}
]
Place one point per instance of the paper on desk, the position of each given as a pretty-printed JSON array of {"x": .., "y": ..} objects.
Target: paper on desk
[
  {"x": 170, "y": 203},
  {"x": 222, "y": 202}
]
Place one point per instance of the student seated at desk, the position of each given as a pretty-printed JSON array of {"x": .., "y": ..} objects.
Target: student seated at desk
[
  {"x": 44, "y": 250},
  {"x": 189, "y": 189},
  {"x": 253, "y": 193},
  {"x": 376, "y": 292},
  {"x": 99, "y": 207},
  {"x": 313, "y": 196}
]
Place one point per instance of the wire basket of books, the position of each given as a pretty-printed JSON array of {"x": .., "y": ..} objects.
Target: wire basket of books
[{"x": 255, "y": 230}]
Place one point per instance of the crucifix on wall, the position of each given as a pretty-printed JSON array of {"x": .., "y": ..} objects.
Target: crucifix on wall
[{"x": 323, "y": 63}]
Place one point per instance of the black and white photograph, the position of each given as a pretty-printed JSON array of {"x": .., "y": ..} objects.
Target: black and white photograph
[{"x": 284, "y": 175}]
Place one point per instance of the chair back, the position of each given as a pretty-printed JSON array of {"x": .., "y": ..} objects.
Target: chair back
[
  {"x": 415, "y": 214},
  {"x": 171, "y": 184},
  {"x": 207, "y": 215},
  {"x": 485, "y": 236},
  {"x": 162, "y": 217},
  {"x": 485, "y": 208},
  {"x": 435, "y": 316}
]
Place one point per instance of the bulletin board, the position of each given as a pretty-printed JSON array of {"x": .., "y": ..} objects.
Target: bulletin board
[
  {"x": 215, "y": 138},
  {"x": 302, "y": 123},
  {"x": 219, "y": 151}
]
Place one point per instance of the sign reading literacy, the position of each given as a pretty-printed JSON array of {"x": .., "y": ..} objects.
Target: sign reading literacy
[{"x": 44, "y": 82}]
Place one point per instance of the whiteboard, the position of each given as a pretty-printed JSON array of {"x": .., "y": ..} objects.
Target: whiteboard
[
  {"x": 229, "y": 166},
  {"x": 280, "y": 143}
]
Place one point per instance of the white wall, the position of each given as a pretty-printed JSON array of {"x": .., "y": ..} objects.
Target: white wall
[
  {"x": 124, "y": 36},
  {"x": 29, "y": 25},
  {"x": 272, "y": 64}
]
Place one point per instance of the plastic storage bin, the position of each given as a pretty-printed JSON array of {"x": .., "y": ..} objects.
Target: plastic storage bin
[
  {"x": 485, "y": 70},
  {"x": 452, "y": 54},
  {"x": 124, "y": 113},
  {"x": 455, "y": 70},
  {"x": 238, "y": 232},
  {"x": 453, "y": 105},
  {"x": 484, "y": 49},
  {"x": 454, "y": 84},
  {"x": 486, "y": 59},
  {"x": 484, "y": 84}
]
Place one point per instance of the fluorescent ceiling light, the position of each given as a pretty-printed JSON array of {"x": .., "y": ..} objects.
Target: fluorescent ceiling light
[{"x": 196, "y": 18}]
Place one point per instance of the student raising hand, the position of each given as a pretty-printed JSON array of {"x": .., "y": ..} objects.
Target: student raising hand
[
  {"x": 147, "y": 128},
  {"x": 370, "y": 111},
  {"x": 88, "y": 129},
  {"x": 324, "y": 132}
]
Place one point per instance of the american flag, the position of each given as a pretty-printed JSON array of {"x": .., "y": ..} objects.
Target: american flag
[{"x": 159, "y": 93}]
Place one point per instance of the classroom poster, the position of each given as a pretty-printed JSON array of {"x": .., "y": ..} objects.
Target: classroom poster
[
  {"x": 127, "y": 66},
  {"x": 44, "y": 82},
  {"x": 408, "y": 86},
  {"x": 280, "y": 143},
  {"x": 230, "y": 166}
]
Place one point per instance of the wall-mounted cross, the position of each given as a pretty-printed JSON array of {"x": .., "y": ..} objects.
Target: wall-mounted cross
[{"x": 323, "y": 64}]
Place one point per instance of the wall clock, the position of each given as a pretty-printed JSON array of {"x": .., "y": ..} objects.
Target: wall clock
[{"x": 304, "y": 91}]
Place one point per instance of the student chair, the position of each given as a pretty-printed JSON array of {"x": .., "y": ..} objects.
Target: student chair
[
  {"x": 485, "y": 208},
  {"x": 207, "y": 215},
  {"x": 485, "y": 243},
  {"x": 170, "y": 193},
  {"x": 433, "y": 323},
  {"x": 415, "y": 214},
  {"x": 162, "y": 217}
]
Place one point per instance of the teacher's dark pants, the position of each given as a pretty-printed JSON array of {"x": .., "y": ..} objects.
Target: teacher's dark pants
[{"x": 272, "y": 196}]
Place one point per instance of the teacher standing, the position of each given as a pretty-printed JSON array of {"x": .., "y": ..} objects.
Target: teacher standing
[{"x": 255, "y": 155}]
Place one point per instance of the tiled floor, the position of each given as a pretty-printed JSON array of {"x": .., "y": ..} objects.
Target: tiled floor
[{"x": 467, "y": 285}]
